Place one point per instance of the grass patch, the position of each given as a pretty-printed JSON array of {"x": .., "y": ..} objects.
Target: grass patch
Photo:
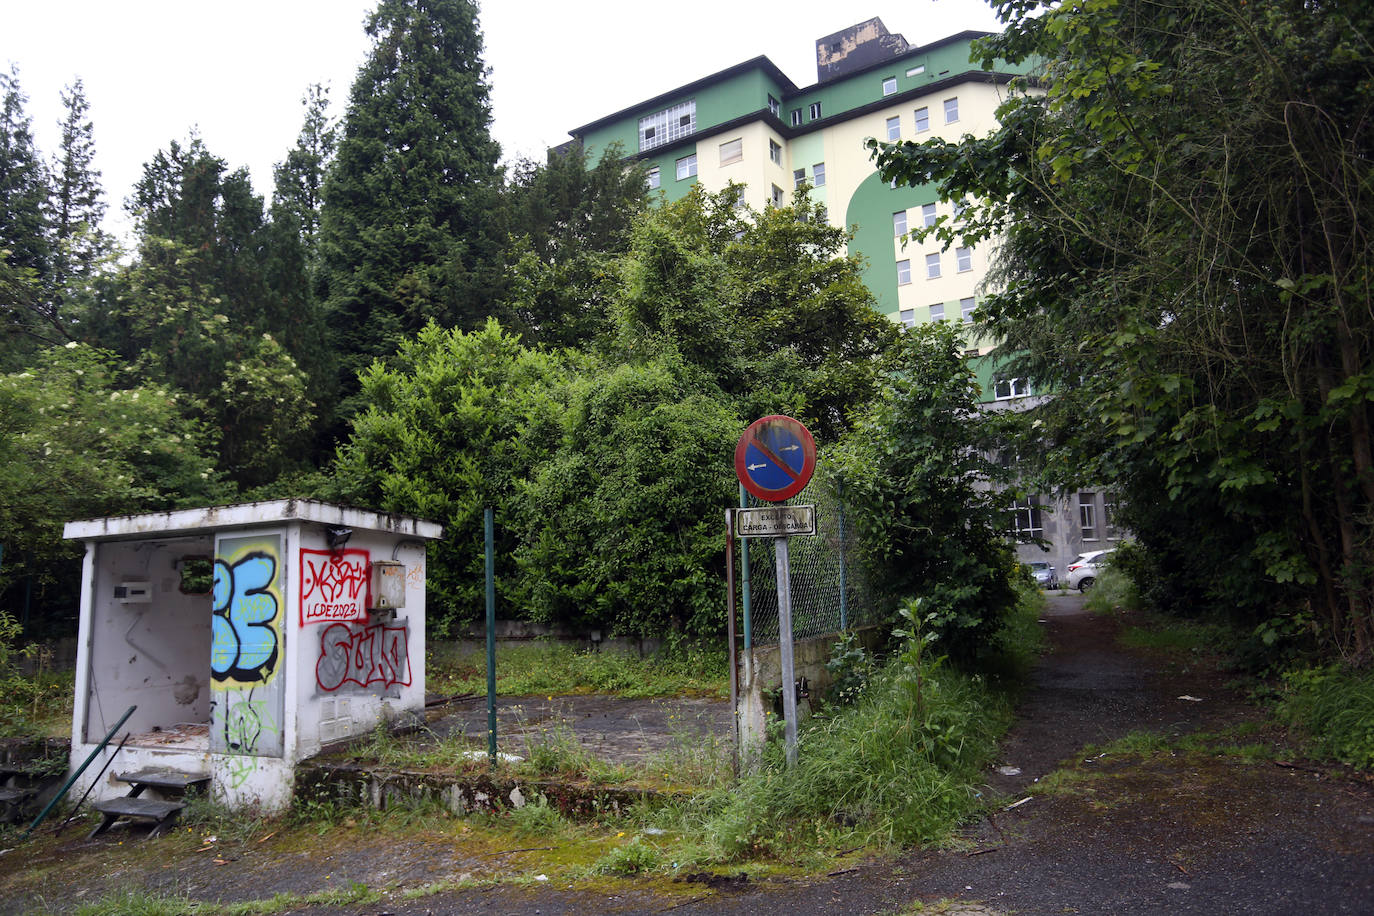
[
  {"x": 554, "y": 668},
  {"x": 1333, "y": 707},
  {"x": 1112, "y": 591},
  {"x": 897, "y": 768}
]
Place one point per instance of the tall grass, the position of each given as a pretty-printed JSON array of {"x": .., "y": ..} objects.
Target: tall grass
[
  {"x": 1112, "y": 591},
  {"x": 1334, "y": 706},
  {"x": 896, "y": 768}
]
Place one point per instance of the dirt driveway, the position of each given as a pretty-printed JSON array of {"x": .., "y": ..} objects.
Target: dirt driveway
[{"x": 1157, "y": 832}]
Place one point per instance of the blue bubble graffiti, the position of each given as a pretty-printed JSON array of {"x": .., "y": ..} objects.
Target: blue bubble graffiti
[{"x": 244, "y": 641}]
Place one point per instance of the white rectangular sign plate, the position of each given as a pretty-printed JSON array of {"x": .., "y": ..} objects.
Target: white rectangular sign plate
[{"x": 775, "y": 521}]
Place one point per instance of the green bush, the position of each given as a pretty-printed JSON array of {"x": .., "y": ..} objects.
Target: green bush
[
  {"x": 1112, "y": 591},
  {"x": 1334, "y": 706}
]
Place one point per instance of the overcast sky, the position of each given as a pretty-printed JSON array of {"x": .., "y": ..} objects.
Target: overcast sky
[{"x": 153, "y": 69}]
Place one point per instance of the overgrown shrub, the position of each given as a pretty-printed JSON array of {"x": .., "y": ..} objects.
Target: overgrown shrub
[
  {"x": 1334, "y": 706},
  {"x": 898, "y": 767}
]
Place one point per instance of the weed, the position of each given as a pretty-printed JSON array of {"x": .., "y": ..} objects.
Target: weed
[
  {"x": 557, "y": 752},
  {"x": 634, "y": 858},
  {"x": 1112, "y": 591},
  {"x": 1334, "y": 706},
  {"x": 537, "y": 818}
]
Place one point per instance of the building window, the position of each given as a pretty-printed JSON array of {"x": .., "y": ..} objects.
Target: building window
[
  {"x": 818, "y": 175},
  {"x": 815, "y": 111},
  {"x": 774, "y": 106},
  {"x": 1109, "y": 517},
  {"x": 1087, "y": 515},
  {"x": 894, "y": 128},
  {"x": 903, "y": 272},
  {"x": 654, "y": 178},
  {"x": 686, "y": 166},
  {"x": 889, "y": 85},
  {"x": 732, "y": 151},
  {"x": 668, "y": 125},
  {"x": 796, "y": 117},
  {"x": 899, "y": 223},
  {"x": 922, "y": 119},
  {"x": 932, "y": 266},
  {"x": 927, "y": 215},
  {"x": 1026, "y": 521},
  {"x": 777, "y": 196},
  {"x": 937, "y": 312},
  {"x": 908, "y": 318},
  {"x": 1004, "y": 389},
  {"x": 798, "y": 177},
  {"x": 775, "y": 152},
  {"x": 966, "y": 309},
  {"x": 964, "y": 258},
  {"x": 916, "y": 70},
  {"x": 951, "y": 110}
]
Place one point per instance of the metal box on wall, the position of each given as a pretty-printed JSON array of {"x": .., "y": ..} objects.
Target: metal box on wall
[{"x": 388, "y": 585}]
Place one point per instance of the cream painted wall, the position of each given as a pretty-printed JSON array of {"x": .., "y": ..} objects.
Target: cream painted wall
[{"x": 755, "y": 170}]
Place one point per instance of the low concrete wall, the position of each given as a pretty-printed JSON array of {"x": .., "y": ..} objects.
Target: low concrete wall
[
  {"x": 459, "y": 793},
  {"x": 760, "y": 677}
]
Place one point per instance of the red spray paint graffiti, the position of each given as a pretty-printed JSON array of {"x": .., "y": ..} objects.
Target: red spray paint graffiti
[
  {"x": 365, "y": 656},
  {"x": 334, "y": 585}
]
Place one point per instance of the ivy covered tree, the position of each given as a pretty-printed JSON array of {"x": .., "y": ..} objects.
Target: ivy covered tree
[
  {"x": 410, "y": 228},
  {"x": 767, "y": 303},
  {"x": 924, "y": 496},
  {"x": 455, "y": 423},
  {"x": 1186, "y": 265}
]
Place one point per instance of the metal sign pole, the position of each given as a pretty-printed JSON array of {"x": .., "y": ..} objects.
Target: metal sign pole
[{"x": 789, "y": 679}]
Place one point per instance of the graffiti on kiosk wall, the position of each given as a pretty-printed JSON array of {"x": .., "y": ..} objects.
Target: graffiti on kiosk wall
[
  {"x": 334, "y": 585},
  {"x": 246, "y": 626},
  {"x": 365, "y": 656},
  {"x": 249, "y": 728}
]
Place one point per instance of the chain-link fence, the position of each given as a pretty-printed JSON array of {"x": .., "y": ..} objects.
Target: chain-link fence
[{"x": 830, "y": 590}]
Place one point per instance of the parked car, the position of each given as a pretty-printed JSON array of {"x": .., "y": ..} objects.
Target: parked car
[
  {"x": 1044, "y": 574},
  {"x": 1084, "y": 569}
]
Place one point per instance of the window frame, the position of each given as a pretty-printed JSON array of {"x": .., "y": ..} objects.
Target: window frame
[
  {"x": 818, "y": 175},
  {"x": 963, "y": 259},
  {"x": 928, "y": 215},
  {"x": 904, "y": 272},
  {"x": 736, "y": 155},
  {"x": 933, "y": 266},
  {"x": 774, "y": 151},
  {"x": 951, "y": 104},
  {"x": 815, "y": 111},
  {"x": 922, "y": 116},
  {"x": 966, "y": 307},
  {"x": 899, "y": 223},
  {"x": 1087, "y": 515},
  {"x": 654, "y": 178},
  {"x": 937, "y": 311},
  {"x": 894, "y": 128},
  {"x": 687, "y": 167},
  {"x": 889, "y": 85}
]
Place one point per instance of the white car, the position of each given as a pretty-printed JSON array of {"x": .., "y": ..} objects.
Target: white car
[{"x": 1083, "y": 570}]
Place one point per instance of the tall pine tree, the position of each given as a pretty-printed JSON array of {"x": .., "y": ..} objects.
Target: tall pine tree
[
  {"x": 408, "y": 230},
  {"x": 26, "y": 313},
  {"x": 78, "y": 203}
]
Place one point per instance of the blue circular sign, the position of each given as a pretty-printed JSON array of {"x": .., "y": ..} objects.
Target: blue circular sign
[{"x": 775, "y": 458}]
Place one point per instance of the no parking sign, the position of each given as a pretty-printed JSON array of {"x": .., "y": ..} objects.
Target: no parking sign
[{"x": 775, "y": 458}]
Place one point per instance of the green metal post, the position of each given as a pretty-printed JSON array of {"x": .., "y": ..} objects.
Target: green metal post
[
  {"x": 488, "y": 524},
  {"x": 744, "y": 578},
  {"x": 844, "y": 589},
  {"x": 79, "y": 770}
]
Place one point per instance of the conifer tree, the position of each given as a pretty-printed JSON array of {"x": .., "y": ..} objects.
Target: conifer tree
[
  {"x": 408, "y": 231},
  {"x": 78, "y": 203},
  {"x": 26, "y": 313}
]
